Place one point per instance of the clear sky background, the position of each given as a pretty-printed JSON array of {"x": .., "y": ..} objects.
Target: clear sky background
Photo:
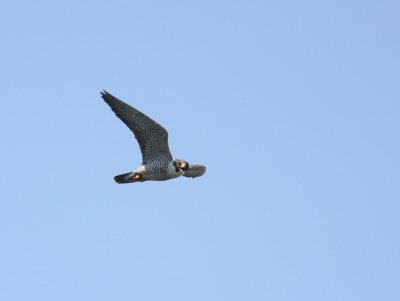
[{"x": 293, "y": 106}]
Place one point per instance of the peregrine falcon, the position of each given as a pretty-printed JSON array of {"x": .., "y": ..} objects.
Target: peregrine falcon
[{"x": 157, "y": 161}]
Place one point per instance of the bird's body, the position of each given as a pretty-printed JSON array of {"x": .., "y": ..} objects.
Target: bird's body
[
  {"x": 157, "y": 161},
  {"x": 158, "y": 171}
]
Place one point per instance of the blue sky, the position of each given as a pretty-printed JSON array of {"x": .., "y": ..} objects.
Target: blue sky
[{"x": 292, "y": 105}]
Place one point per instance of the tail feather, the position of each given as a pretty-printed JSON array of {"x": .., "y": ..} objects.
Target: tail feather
[{"x": 195, "y": 171}]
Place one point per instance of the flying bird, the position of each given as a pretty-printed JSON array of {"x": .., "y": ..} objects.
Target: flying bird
[{"x": 157, "y": 161}]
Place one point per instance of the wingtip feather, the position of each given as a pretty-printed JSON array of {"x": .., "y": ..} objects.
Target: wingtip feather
[{"x": 104, "y": 93}]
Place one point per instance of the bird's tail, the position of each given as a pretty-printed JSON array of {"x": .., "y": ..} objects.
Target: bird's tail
[
  {"x": 129, "y": 177},
  {"x": 195, "y": 171}
]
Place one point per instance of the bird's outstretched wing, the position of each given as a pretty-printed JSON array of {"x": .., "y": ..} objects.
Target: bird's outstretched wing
[
  {"x": 152, "y": 137},
  {"x": 195, "y": 171}
]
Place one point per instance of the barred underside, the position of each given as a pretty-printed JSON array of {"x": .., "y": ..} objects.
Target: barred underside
[{"x": 159, "y": 170}]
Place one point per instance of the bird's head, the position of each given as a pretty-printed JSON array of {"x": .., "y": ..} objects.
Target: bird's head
[{"x": 181, "y": 165}]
